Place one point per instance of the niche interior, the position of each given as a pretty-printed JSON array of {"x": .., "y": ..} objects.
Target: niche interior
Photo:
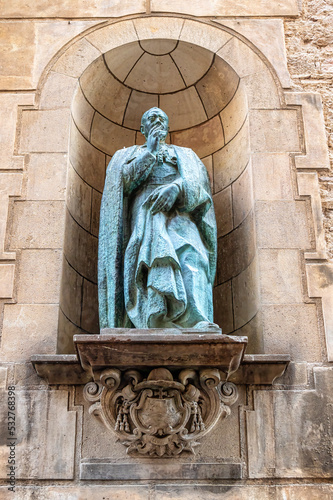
[{"x": 207, "y": 107}]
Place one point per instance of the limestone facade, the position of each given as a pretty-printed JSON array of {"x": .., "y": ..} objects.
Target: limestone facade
[{"x": 74, "y": 81}]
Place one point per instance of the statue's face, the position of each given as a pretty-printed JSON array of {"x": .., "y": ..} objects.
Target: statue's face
[{"x": 155, "y": 119}]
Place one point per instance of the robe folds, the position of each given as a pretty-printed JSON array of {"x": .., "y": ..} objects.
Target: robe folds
[{"x": 147, "y": 259}]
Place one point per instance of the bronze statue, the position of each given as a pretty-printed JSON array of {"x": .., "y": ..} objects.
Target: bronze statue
[{"x": 157, "y": 240}]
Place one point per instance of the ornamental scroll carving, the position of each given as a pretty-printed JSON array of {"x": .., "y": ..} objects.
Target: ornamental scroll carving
[{"x": 163, "y": 414}]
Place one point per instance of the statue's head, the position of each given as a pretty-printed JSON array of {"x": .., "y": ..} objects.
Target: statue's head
[{"x": 152, "y": 118}]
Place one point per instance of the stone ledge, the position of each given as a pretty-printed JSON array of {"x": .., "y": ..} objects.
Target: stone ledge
[
  {"x": 104, "y": 470},
  {"x": 173, "y": 349},
  {"x": 220, "y": 351}
]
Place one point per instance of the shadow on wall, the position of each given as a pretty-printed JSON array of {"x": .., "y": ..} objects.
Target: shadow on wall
[{"x": 207, "y": 107}]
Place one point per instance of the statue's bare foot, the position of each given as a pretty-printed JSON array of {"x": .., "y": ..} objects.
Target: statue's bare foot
[{"x": 206, "y": 325}]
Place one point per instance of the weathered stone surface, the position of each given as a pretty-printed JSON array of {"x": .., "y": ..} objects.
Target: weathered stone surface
[
  {"x": 83, "y": 156},
  {"x": 282, "y": 224},
  {"x": 158, "y": 27},
  {"x": 208, "y": 162},
  {"x": 108, "y": 136},
  {"x": 95, "y": 209},
  {"x": 73, "y": 9},
  {"x": 280, "y": 276},
  {"x": 223, "y": 307},
  {"x": 260, "y": 369},
  {"x": 253, "y": 330},
  {"x": 242, "y": 196},
  {"x": 182, "y": 492},
  {"x": 274, "y": 131},
  {"x": 217, "y": 88},
  {"x": 23, "y": 335},
  {"x": 104, "y": 92},
  {"x": 296, "y": 375},
  {"x": 66, "y": 331},
  {"x": 288, "y": 431},
  {"x": 46, "y": 176},
  {"x": 38, "y": 224},
  {"x": 8, "y": 115},
  {"x": 315, "y": 137},
  {"x": 17, "y": 50},
  {"x": 57, "y": 91},
  {"x": 76, "y": 58},
  {"x": 229, "y": 8},
  {"x": 144, "y": 348},
  {"x": 173, "y": 492},
  {"x": 113, "y": 35},
  {"x": 89, "y": 317},
  {"x": 155, "y": 74},
  {"x": 320, "y": 279},
  {"x": 79, "y": 198},
  {"x": 82, "y": 113},
  {"x": 3, "y": 377},
  {"x": 184, "y": 56},
  {"x": 39, "y": 277},
  {"x": 111, "y": 471},
  {"x": 43, "y": 424},
  {"x": 120, "y": 65},
  {"x": 236, "y": 250},
  {"x": 223, "y": 211},
  {"x": 184, "y": 109},
  {"x": 272, "y": 177},
  {"x": 245, "y": 291},
  {"x": 26, "y": 376},
  {"x": 232, "y": 159},
  {"x": 308, "y": 185},
  {"x": 268, "y": 36},
  {"x": 210, "y": 37},
  {"x": 52, "y": 36},
  {"x": 234, "y": 114},
  {"x": 204, "y": 139},
  {"x": 44, "y": 131},
  {"x": 59, "y": 369},
  {"x": 292, "y": 329},
  {"x": 6, "y": 280},
  {"x": 86, "y": 492},
  {"x": 10, "y": 185},
  {"x": 71, "y": 293},
  {"x": 80, "y": 249},
  {"x": 138, "y": 103},
  {"x": 261, "y": 88}
]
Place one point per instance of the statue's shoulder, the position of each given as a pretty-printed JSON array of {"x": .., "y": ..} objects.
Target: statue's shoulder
[
  {"x": 122, "y": 155},
  {"x": 182, "y": 151}
]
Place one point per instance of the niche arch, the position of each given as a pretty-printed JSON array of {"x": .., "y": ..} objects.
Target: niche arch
[{"x": 208, "y": 101}]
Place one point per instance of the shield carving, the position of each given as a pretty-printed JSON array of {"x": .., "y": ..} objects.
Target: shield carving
[{"x": 160, "y": 415}]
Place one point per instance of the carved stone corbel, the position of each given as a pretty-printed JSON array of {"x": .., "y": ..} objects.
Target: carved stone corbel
[
  {"x": 160, "y": 391},
  {"x": 158, "y": 415}
]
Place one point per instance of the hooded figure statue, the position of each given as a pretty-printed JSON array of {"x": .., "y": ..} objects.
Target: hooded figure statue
[{"x": 157, "y": 237}]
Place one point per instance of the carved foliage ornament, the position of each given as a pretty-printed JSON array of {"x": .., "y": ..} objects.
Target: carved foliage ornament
[{"x": 160, "y": 416}]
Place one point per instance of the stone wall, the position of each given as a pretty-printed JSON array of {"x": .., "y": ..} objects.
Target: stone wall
[
  {"x": 309, "y": 44},
  {"x": 275, "y": 270}
]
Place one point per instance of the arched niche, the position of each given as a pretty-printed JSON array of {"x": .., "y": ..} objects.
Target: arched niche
[
  {"x": 207, "y": 107},
  {"x": 121, "y": 72}
]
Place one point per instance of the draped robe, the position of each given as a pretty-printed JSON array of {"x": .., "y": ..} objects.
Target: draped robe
[{"x": 155, "y": 271}]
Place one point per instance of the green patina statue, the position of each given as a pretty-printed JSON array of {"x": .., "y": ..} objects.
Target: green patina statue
[{"x": 157, "y": 239}]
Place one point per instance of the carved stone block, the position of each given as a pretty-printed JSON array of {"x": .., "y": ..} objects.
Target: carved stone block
[{"x": 162, "y": 414}]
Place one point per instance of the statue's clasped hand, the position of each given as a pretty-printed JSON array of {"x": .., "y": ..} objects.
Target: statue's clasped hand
[{"x": 163, "y": 198}]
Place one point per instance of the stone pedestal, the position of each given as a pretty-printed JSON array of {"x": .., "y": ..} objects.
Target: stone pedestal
[{"x": 160, "y": 391}]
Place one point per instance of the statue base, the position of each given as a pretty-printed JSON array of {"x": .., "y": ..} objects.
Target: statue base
[
  {"x": 150, "y": 348},
  {"x": 160, "y": 390}
]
